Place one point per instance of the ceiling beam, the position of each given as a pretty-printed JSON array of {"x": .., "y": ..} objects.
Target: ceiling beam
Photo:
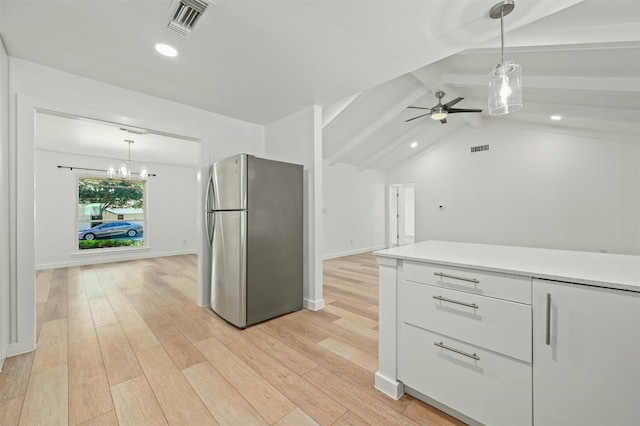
[
  {"x": 427, "y": 134},
  {"x": 403, "y": 139},
  {"x": 432, "y": 78},
  {"x": 607, "y": 84},
  {"x": 376, "y": 125},
  {"x": 438, "y": 141},
  {"x": 335, "y": 110},
  {"x": 553, "y": 48},
  {"x": 588, "y": 34}
]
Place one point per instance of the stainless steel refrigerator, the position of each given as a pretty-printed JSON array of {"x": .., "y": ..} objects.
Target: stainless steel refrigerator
[{"x": 254, "y": 222}]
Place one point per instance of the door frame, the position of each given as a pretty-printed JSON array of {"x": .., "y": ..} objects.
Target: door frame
[
  {"x": 22, "y": 204},
  {"x": 396, "y": 206}
]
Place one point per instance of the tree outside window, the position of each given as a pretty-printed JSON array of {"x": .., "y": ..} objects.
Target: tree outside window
[{"x": 110, "y": 213}]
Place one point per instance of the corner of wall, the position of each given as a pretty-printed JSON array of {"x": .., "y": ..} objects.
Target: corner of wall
[{"x": 5, "y": 307}]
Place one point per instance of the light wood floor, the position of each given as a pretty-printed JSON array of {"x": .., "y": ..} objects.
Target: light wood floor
[{"x": 124, "y": 343}]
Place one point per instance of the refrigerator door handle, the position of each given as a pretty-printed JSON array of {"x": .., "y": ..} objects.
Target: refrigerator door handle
[{"x": 208, "y": 211}]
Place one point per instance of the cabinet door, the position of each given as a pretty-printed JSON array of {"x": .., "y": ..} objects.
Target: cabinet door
[{"x": 586, "y": 355}]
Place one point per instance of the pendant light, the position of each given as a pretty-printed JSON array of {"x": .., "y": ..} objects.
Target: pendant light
[{"x": 505, "y": 80}]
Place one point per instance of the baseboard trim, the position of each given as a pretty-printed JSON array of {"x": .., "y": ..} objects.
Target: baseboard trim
[
  {"x": 392, "y": 388},
  {"x": 444, "y": 408},
  {"x": 350, "y": 252},
  {"x": 20, "y": 348},
  {"x": 313, "y": 305},
  {"x": 108, "y": 258}
]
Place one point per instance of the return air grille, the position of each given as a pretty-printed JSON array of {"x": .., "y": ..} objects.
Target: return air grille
[
  {"x": 186, "y": 15},
  {"x": 479, "y": 148}
]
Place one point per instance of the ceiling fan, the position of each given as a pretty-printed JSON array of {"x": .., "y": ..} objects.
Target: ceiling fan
[{"x": 440, "y": 111}]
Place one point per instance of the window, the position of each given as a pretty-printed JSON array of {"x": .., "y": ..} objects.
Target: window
[{"x": 110, "y": 213}]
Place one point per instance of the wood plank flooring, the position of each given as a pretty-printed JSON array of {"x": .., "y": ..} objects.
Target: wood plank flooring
[{"x": 125, "y": 343}]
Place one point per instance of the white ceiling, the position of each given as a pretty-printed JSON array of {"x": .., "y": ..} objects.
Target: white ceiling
[{"x": 364, "y": 61}]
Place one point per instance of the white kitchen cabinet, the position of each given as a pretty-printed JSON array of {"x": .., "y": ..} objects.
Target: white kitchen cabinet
[
  {"x": 586, "y": 355},
  {"x": 464, "y": 327},
  {"x": 463, "y": 349}
]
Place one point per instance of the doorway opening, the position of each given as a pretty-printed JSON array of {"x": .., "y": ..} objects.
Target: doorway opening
[
  {"x": 401, "y": 217},
  {"x": 31, "y": 113}
]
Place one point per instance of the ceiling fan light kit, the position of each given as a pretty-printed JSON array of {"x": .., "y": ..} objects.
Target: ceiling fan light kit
[
  {"x": 505, "y": 80},
  {"x": 441, "y": 111}
]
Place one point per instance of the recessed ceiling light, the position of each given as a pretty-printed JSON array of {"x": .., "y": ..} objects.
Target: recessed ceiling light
[
  {"x": 413, "y": 144},
  {"x": 556, "y": 117},
  {"x": 166, "y": 50}
]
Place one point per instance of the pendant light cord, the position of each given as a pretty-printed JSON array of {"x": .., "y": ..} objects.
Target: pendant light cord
[{"x": 502, "y": 34}]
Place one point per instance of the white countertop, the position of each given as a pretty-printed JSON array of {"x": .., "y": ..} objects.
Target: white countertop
[{"x": 599, "y": 269}]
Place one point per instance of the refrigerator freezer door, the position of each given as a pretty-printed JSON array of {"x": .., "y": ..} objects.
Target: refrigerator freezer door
[
  {"x": 228, "y": 275},
  {"x": 230, "y": 183}
]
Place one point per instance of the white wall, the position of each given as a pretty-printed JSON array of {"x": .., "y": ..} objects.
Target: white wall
[
  {"x": 297, "y": 138},
  {"x": 171, "y": 212},
  {"x": 534, "y": 188},
  {"x": 33, "y": 87},
  {"x": 353, "y": 219},
  {"x": 4, "y": 204}
]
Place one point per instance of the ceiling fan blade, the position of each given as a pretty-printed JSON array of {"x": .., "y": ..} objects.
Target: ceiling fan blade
[
  {"x": 452, "y": 103},
  {"x": 414, "y": 107},
  {"x": 411, "y": 119},
  {"x": 443, "y": 121},
  {"x": 454, "y": 110}
]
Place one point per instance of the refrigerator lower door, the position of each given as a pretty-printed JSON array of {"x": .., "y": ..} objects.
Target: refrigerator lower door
[{"x": 229, "y": 264}]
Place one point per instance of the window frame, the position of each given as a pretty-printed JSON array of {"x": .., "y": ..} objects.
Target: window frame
[{"x": 76, "y": 251}]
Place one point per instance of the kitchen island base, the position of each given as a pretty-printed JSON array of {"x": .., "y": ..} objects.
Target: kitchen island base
[{"x": 466, "y": 328}]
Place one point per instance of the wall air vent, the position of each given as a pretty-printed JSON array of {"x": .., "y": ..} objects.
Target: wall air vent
[
  {"x": 479, "y": 148},
  {"x": 186, "y": 16}
]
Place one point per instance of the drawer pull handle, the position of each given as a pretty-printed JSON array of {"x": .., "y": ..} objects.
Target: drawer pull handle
[
  {"x": 444, "y": 299},
  {"x": 471, "y": 280},
  {"x": 458, "y": 351}
]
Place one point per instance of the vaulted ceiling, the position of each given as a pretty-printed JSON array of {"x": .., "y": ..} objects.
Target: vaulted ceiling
[
  {"x": 363, "y": 61},
  {"x": 582, "y": 63}
]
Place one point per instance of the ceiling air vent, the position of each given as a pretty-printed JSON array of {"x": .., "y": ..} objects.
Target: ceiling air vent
[
  {"x": 186, "y": 15},
  {"x": 479, "y": 148}
]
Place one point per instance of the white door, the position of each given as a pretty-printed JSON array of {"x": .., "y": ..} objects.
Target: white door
[
  {"x": 401, "y": 221},
  {"x": 586, "y": 355}
]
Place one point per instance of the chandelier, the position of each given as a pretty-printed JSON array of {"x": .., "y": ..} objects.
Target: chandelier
[{"x": 124, "y": 170}]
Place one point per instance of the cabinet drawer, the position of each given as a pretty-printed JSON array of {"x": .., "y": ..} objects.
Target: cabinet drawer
[
  {"x": 502, "y": 286},
  {"x": 494, "y": 390},
  {"x": 493, "y": 324}
]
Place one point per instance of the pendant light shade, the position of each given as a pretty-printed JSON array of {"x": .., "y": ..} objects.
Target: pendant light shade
[
  {"x": 505, "y": 88},
  {"x": 124, "y": 171},
  {"x": 144, "y": 173},
  {"x": 505, "y": 80}
]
